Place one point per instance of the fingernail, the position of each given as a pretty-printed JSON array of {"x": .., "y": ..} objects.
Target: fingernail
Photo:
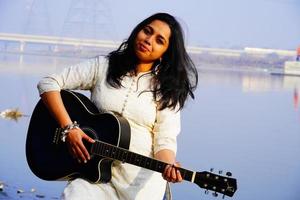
[
  {"x": 85, "y": 161},
  {"x": 79, "y": 160}
]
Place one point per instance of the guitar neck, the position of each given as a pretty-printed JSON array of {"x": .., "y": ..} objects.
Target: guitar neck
[{"x": 123, "y": 155}]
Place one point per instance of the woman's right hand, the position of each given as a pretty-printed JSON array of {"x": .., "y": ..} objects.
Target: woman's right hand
[{"x": 75, "y": 144}]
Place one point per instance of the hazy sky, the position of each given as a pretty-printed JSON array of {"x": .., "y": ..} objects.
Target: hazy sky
[{"x": 214, "y": 23}]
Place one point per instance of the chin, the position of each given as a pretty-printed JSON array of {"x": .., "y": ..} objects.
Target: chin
[{"x": 142, "y": 57}]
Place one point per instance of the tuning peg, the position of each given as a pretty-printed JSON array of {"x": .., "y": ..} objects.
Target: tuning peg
[
  {"x": 228, "y": 173},
  {"x": 220, "y": 171},
  {"x": 215, "y": 194},
  {"x": 211, "y": 169},
  {"x": 206, "y": 192}
]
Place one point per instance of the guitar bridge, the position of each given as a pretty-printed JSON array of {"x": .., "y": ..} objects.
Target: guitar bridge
[{"x": 56, "y": 138}]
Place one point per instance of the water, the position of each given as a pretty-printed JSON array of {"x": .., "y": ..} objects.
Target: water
[{"x": 245, "y": 122}]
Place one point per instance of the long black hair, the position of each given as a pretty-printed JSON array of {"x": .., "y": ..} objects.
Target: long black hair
[{"x": 176, "y": 76}]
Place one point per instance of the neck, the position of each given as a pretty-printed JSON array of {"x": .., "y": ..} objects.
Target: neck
[{"x": 143, "y": 67}]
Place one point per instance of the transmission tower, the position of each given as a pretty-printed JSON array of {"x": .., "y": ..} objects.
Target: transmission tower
[
  {"x": 38, "y": 20},
  {"x": 88, "y": 19}
]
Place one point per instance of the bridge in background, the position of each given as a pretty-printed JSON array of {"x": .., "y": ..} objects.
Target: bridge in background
[{"x": 55, "y": 42}]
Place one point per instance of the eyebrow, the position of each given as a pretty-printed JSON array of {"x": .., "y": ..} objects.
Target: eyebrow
[{"x": 159, "y": 35}]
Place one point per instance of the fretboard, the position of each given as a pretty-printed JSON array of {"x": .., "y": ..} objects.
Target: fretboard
[{"x": 110, "y": 151}]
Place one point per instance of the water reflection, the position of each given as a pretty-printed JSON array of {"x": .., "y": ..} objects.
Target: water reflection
[
  {"x": 12, "y": 114},
  {"x": 241, "y": 121},
  {"x": 296, "y": 98}
]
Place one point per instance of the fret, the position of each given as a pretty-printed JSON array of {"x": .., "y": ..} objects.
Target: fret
[
  {"x": 106, "y": 151},
  {"x": 113, "y": 154},
  {"x": 137, "y": 160},
  {"x": 183, "y": 174},
  {"x": 133, "y": 157},
  {"x": 130, "y": 158},
  {"x": 94, "y": 148},
  {"x": 150, "y": 165},
  {"x": 156, "y": 165},
  {"x": 102, "y": 150},
  {"x": 110, "y": 151},
  {"x": 96, "y": 144},
  {"x": 159, "y": 166},
  {"x": 125, "y": 156},
  {"x": 118, "y": 154},
  {"x": 122, "y": 156},
  {"x": 99, "y": 148},
  {"x": 148, "y": 162},
  {"x": 109, "y": 148},
  {"x": 186, "y": 174},
  {"x": 143, "y": 161}
]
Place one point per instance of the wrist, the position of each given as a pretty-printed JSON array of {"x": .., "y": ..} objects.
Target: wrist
[
  {"x": 64, "y": 124},
  {"x": 67, "y": 129}
]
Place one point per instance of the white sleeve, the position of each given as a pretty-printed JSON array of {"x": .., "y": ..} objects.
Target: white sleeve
[
  {"x": 166, "y": 130},
  {"x": 80, "y": 76}
]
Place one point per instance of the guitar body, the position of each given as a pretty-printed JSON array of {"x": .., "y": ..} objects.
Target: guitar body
[{"x": 49, "y": 158}]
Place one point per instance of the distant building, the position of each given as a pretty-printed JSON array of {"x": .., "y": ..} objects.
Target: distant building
[{"x": 298, "y": 54}]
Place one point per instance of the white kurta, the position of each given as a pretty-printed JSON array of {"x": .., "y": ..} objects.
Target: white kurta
[{"x": 151, "y": 130}]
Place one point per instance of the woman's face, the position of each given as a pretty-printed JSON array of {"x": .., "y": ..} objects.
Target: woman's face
[{"x": 152, "y": 41}]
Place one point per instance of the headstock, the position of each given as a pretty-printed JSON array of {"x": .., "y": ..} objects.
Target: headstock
[{"x": 217, "y": 183}]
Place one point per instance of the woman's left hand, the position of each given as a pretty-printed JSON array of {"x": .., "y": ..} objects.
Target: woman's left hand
[{"x": 172, "y": 174}]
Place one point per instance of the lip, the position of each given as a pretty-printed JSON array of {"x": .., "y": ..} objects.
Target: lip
[{"x": 143, "y": 48}]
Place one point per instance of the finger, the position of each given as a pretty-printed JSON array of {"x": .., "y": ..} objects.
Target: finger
[
  {"x": 179, "y": 177},
  {"x": 75, "y": 154},
  {"x": 168, "y": 174},
  {"x": 84, "y": 151},
  {"x": 80, "y": 154},
  {"x": 87, "y": 138},
  {"x": 173, "y": 174},
  {"x": 72, "y": 151},
  {"x": 74, "y": 140},
  {"x": 165, "y": 172}
]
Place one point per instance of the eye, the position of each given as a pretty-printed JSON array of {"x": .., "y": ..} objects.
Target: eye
[
  {"x": 160, "y": 41},
  {"x": 147, "y": 30}
]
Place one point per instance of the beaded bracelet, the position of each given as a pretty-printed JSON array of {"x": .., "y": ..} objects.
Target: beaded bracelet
[{"x": 67, "y": 129}]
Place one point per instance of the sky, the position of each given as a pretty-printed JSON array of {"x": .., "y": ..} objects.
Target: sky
[
  {"x": 207, "y": 23},
  {"x": 249, "y": 145}
]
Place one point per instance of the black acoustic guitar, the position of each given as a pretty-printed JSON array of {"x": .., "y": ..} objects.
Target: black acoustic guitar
[{"x": 49, "y": 159}]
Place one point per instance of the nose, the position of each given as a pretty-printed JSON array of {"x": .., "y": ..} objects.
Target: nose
[{"x": 148, "y": 40}]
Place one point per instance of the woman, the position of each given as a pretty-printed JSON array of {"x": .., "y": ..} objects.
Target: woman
[{"x": 147, "y": 80}]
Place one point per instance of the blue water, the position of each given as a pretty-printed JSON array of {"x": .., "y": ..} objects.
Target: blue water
[{"x": 245, "y": 122}]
